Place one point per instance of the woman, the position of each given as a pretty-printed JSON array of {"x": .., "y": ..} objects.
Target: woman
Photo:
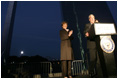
[{"x": 66, "y": 50}]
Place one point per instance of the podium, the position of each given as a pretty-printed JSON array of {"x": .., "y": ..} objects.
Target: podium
[{"x": 105, "y": 47}]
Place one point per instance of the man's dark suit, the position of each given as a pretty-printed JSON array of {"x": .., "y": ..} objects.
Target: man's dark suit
[
  {"x": 91, "y": 46},
  {"x": 66, "y": 53}
]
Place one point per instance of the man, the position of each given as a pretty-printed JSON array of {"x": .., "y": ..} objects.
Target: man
[
  {"x": 91, "y": 45},
  {"x": 66, "y": 50}
]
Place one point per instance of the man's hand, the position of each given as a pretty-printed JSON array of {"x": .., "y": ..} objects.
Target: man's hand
[
  {"x": 96, "y": 21},
  {"x": 70, "y": 33},
  {"x": 87, "y": 34}
]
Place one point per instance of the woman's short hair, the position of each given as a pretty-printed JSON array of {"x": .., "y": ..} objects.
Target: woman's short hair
[{"x": 64, "y": 22}]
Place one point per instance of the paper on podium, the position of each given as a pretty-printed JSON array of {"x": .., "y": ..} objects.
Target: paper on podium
[{"x": 104, "y": 29}]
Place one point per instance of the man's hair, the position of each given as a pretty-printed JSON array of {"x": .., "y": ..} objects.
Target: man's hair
[
  {"x": 64, "y": 22},
  {"x": 90, "y": 15}
]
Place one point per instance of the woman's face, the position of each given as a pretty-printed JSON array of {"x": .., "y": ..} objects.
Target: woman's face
[{"x": 65, "y": 25}]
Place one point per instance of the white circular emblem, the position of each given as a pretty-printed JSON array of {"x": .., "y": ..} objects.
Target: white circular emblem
[{"x": 107, "y": 44}]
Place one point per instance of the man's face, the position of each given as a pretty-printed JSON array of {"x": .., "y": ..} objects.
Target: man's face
[
  {"x": 65, "y": 25},
  {"x": 92, "y": 19}
]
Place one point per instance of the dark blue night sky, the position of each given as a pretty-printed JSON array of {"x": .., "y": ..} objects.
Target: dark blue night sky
[{"x": 37, "y": 25}]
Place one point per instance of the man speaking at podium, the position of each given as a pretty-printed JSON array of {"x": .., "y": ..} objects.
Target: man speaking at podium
[{"x": 91, "y": 45}]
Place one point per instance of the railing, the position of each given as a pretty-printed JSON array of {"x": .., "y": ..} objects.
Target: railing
[
  {"x": 25, "y": 69},
  {"x": 78, "y": 68},
  {"x": 41, "y": 69}
]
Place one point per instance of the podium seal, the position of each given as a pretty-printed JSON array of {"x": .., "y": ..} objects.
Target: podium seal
[{"x": 107, "y": 44}]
